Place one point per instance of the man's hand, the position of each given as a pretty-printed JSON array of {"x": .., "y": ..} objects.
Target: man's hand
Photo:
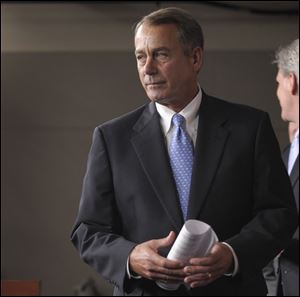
[
  {"x": 203, "y": 271},
  {"x": 145, "y": 261}
]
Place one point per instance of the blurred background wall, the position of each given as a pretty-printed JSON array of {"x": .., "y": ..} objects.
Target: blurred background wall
[{"x": 69, "y": 66}]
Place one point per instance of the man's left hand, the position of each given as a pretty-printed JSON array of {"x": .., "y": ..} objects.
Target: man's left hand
[{"x": 203, "y": 271}]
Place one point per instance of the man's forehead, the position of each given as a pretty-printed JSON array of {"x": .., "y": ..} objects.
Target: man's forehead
[
  {"x": 156, "y": 36},
  {"x": 152, "y": 30}
]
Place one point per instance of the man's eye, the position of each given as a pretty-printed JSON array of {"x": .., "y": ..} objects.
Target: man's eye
[
  {"x": 140, "y": 57},
  {"x": 162, "y": 55}
]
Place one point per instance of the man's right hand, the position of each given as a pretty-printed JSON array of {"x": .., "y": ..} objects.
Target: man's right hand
[{"x": 145, "y": 261}]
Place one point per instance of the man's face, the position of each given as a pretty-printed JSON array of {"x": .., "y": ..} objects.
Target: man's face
[
  {"x": 289, "y": 104},
  {"x": 166, "y": 73}
]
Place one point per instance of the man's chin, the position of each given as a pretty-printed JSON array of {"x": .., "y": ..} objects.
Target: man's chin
[{"x": 160, "y": 99}]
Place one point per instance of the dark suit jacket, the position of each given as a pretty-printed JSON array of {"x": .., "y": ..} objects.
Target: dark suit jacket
[
  {"x": 289, "y": 259},
  {"x": 239, "y": 186}
]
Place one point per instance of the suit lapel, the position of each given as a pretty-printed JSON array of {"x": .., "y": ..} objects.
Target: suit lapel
[
  {"x": 285, "y": 156},
  {"x": 294, "y": 176},
  {"x": 211, "y": 140},
  {"x": 149, "y": 145}
]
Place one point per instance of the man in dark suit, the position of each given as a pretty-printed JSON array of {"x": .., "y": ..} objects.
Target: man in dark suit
[
  {"x": 185, "y": 155},
  {"x": 289, "y": 259},
  {"x": 282, "y": 274}
]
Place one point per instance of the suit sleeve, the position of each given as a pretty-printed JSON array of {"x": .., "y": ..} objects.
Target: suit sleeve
[
  {"x": 274, "y": 214},
  {"x": 97, "y": 230}
]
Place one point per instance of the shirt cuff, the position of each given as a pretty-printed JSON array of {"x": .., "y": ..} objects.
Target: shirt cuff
[
  {"x": 235, "y": 261},
  {"x": 129, "y": 273}
]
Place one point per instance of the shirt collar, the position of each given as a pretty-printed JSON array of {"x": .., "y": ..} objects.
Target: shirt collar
[
  {"x": 296, "y": 134},
  {"x": 189, "y": 112}
]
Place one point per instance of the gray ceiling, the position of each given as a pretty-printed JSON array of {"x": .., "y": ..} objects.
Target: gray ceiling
[
  {"x": 131, "y": 11},
  {"x": 263, "y": 5}
]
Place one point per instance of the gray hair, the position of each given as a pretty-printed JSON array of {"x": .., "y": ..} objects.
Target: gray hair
[
  {"x": 190, "y": 32},
  {"x": 287, "y": 59}
]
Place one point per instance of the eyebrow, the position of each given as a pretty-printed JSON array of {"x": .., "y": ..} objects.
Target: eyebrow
[{"x": 163, "y": 48}]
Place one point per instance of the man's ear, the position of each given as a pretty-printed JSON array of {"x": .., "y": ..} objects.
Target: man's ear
[
  {"x": 293, "y": 84},
  {"x": 197, "y": 56}
]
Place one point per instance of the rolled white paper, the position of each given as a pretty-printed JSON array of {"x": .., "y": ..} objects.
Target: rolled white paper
[{"x": 194, "y": 240}]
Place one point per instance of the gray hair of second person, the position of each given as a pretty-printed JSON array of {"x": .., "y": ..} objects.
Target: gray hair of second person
[
  {"x": 287, "y": 59},
  {"x": 189, "y": 31}
]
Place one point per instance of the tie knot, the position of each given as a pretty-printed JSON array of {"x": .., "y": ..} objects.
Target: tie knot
[{"x": 178, "y": 120}]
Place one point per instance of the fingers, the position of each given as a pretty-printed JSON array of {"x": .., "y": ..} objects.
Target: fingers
[
  {"x": 219, "y": 255},
  {"x": 156, "y": 244},
  {"x": 202, "y": 274},
  {"x": 145, "y": 261},
  {"x": 167, "y": 263},
  {"x": 204, "y": 265},
  {"x": 164, "y": 269},
  {"x": 203, "y": 271},
  {"x": 205, "y": 261},
  {"x": 153, "y": 270},
  {"x": 171, "y": 272},
  {"x": 202, "y": 279},
  {"x": 189, "y": 270}
]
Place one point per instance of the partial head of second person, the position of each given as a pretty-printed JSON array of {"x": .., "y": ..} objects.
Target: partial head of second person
[{"x": 287, "y": 60}]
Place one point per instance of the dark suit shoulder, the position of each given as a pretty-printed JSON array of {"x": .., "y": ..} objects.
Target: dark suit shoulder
[
  {"x": 232, "y": 115},
  {"x": 236, "y": 108},
  {"x": 124, "y": 121}
]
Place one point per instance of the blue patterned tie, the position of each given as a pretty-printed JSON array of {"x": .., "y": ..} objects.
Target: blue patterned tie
[{"x": 181, "y": 159}]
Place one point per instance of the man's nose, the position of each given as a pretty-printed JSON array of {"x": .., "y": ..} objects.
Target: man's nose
[{"x": 150, "y": 67}]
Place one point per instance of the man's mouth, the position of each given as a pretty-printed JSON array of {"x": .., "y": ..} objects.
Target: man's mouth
[{"x": 155, "y": 83}]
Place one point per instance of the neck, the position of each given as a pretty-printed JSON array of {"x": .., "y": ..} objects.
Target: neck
[{"x": 181, "y": 103}]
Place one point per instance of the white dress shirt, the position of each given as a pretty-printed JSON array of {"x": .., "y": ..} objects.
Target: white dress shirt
[{"x": 294, "y": 152}]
